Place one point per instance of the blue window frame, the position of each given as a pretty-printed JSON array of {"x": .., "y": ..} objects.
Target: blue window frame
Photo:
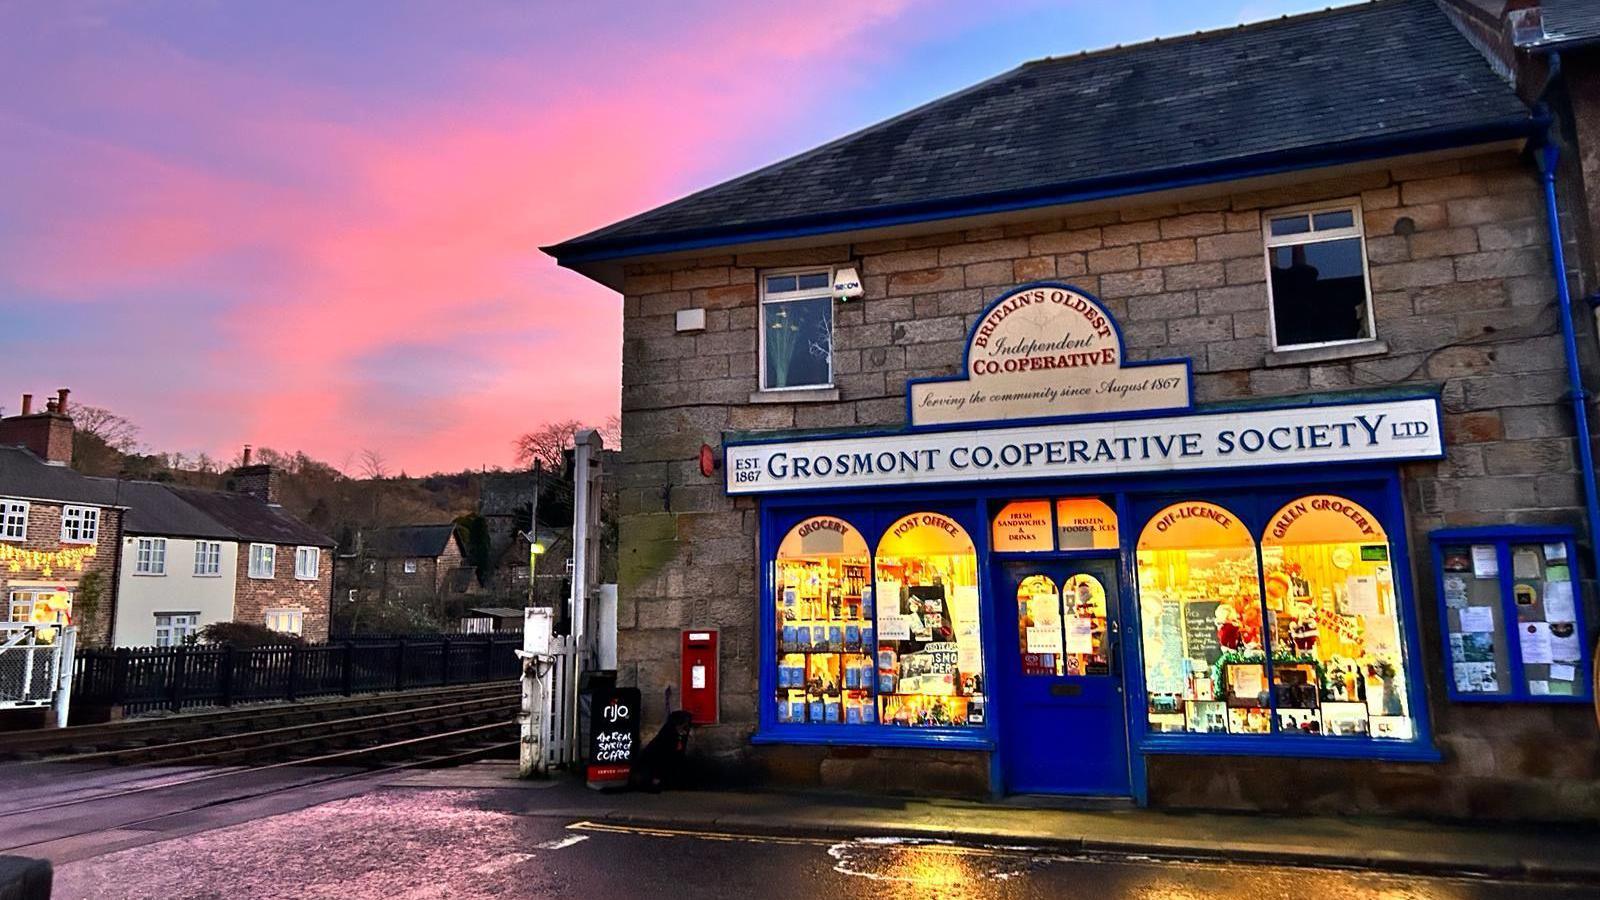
[{"x": 1511, "y": 615}]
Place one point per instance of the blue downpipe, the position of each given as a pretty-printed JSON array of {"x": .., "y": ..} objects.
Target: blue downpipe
[{"x": 1549, "y": 156}]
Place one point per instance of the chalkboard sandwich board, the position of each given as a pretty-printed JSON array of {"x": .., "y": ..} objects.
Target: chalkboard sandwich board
[{"x": 613, "y": 736}]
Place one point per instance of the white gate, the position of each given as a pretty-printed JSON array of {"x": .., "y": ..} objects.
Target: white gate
[{"x": 36, "y": 666}]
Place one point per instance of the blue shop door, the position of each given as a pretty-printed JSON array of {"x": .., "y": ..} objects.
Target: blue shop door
[{"x": 1064, "y": 730}]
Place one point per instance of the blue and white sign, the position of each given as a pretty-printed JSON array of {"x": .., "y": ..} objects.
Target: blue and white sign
[{"x": 1344, "y": 433}]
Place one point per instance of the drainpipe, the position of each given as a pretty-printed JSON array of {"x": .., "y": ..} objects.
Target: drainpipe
[{"x": 1549, "y": 155}]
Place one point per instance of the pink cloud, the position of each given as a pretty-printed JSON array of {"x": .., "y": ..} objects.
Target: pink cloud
[{"x": 413, "y": 226}]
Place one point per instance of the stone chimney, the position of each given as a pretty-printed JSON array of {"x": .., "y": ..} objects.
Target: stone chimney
[
  {"x": 260, "y": 481},
  {"x": 48, "y": 434}
]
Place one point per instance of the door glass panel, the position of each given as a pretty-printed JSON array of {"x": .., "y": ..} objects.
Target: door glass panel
[
  {"x": 930, "y": 651},
  {"x": 1084, "y": 627},
  {"x": 1039, "y": 625}
]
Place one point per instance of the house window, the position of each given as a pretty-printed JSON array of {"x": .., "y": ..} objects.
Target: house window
[
  {"x": 13, "y": 520},
  {"x": 263, "y": 559},
  {"x": 80, "y": 524},
  {"x": 307, "y": 560},
  {"x": 284, "y": 621},
  {"x": 411, "y": 567},
  {"x": 53, "y": 607},
  {"x": 173, "y": 628},
  {"x": 150, "y": 557},
  {"x": 796, "y": 330},
  {"x": 1317, "y": 285},
  {"x": 207, "y": 558}
]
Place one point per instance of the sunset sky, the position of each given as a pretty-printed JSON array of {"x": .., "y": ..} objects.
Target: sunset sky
[{"x": 315, "y": 225}]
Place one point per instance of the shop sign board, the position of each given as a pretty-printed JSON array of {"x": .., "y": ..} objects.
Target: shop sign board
[
  {"x": 613, "y": 736},
  {"x": 1382, "y": 430},
  {"x": 1047, "y": 351}
]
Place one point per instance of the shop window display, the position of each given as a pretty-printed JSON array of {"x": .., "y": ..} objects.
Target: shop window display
[
  {"x": 1312, "y": 646},
  {"x": 825, "y": 629},
  {"x": 1200, "y": 608},
  {"x": 929, "y": 661},
  {"x": 1084, "y": 627},
  {"x": 1333, "y": 622}
]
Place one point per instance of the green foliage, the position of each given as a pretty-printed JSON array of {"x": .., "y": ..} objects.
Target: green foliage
[
  {"x": 472, "y": 530},
  {"x": 86, "y": 599},
  {"x": 244, "y": 634}
]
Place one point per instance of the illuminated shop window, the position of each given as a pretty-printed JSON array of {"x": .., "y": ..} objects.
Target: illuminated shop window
[
  {"x": 1085, "y": 523},
  {"x": 930, "y": 652},
  {"x": 1338, "y": 667},
  {"x": 1200, "y": 610},
  {"x": 1084, "y": 626},
  {"x": 1312, "y": 648},
  {"x": 825, "y": 629}
]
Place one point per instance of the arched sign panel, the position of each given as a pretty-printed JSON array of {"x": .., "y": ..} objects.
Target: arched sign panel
[{"x": 1047, "y": 351}]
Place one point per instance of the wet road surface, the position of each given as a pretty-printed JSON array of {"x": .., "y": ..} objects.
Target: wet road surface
[{"x": 406, "y": 844}]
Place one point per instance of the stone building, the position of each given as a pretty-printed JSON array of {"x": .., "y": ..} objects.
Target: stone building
[{"x": 1188, "y": 422}]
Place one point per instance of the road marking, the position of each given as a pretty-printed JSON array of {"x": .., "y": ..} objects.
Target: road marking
[
  {"x": 702, "y": 835},
  {"x": 563, "y": 843},
  {"x": 501, "y": 863}
]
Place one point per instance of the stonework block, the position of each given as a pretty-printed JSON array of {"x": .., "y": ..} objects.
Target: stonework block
[
  {"x": 1130, "y": 284},
  {"x": 1197, "y": 275},
  {"x": 1114, "y": 259},
  {"x": 1065, "y": 242},
  {"x": 1167, "y": 253},
  {"x": 962, "y": 254},
  {"x": 1229, "y": 246},
  {"x": 1130, "y": 233}
]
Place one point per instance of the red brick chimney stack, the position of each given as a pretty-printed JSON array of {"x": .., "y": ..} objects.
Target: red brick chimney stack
[
  {"x": 260, "y": 481},
  {"x": 48, "y": 434}
]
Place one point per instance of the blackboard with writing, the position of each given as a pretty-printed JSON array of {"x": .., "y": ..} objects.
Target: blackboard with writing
[
  {"x": 1200, "y": 631},
  {"x": 613, "y": 736}
]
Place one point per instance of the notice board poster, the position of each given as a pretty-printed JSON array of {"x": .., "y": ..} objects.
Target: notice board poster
[{"x": 613, "y": 736}]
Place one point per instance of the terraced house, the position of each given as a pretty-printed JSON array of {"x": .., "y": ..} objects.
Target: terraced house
[
  {"x": 139, "y": 563},
  {"x": 1190, "y": 423}
]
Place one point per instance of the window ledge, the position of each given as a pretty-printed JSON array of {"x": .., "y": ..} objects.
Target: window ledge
[
  {"x": 1306, "y": 355},
  {"x": 1294, "y": 746},
  {"x": 804, "y": 395}
]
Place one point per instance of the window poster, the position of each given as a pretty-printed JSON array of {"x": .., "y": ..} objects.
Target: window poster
[
  {"x": 1485, "y": 561},
  {"x": 1455, "y": 591}
]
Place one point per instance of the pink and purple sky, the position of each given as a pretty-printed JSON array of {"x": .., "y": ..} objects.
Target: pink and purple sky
[{"x": 315, "y": 225}]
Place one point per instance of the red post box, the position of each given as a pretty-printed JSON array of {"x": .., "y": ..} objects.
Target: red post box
[{"x": 699, "y": 683}]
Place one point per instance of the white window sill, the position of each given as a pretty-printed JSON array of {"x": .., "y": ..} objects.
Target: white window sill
[
  {"x": 208, "y": 574},
  {"x": 150, "y": 574},
  {"x": 261, "y": 577},
  {"x": 305, "y": 578},
  {"x": 83, "y": 542},
  {"x": 796, "y": 395},
  {"x": 1303, "y": 355}
]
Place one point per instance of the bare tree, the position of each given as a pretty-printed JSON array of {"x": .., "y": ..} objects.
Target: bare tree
[
  {"x": 373, "y": 466},
  {"x": 118, "y": 432},
  {"x": 546, "y": 444},
  {"x": 611, "y": 432}
]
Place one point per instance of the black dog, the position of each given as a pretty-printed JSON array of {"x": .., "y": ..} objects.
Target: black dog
[{"x": 662, "y": 761}]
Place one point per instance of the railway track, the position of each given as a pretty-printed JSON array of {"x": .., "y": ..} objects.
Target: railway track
[
  {"x": 49, "y": 803},
  {"x": 146, "y": 732}
]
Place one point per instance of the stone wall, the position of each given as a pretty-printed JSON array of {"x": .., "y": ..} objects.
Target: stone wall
[
  {"x": 92, "y": 616},
  {"x": 255, "y": 596},
  {"x": 1463, "y": 301}
]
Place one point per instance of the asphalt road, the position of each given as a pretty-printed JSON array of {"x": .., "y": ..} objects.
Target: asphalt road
[{"x": 408, "y": 844}]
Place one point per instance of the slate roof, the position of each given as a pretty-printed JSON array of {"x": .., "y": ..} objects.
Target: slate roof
[
  {"x": 1376, "y": 77},
  {"x": 24, "y": 476},
  {"x": 407, "y": 541},
  {"x": 249, "y": 519},
  {"x": 1570, "y": 21},
  {"x": 156, "y": 509}
]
